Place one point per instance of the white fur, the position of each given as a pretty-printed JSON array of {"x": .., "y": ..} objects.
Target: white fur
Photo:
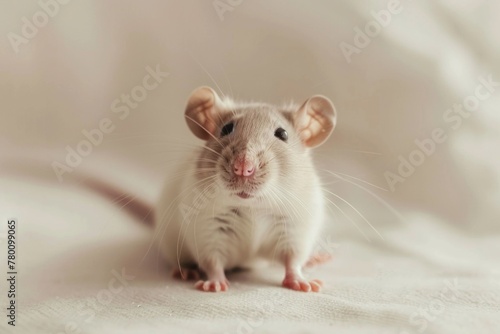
[
  {"x": 192, "y": 237},
  {"x": 216, "y": 219}
]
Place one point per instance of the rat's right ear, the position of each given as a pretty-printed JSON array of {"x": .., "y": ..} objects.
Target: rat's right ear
[{"x": 201, "y": 111}]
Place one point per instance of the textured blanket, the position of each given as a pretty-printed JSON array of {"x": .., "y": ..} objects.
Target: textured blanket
[{"x": 412, "y": 169}]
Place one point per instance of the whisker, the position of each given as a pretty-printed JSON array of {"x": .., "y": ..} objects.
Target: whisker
[
  {"x": 348, "y": 150},
  {"x": 162, "y": 215},
  {"x": 378, "y": 198},
  {"x": 208, "y": 73},
  {"x": 201, "y": 126},
  {"x": 192, "y": 221},
  {"x": 349, "y": 218},
  {"x": 357, "y": 211},
  {"x": 360, "y": 180}
]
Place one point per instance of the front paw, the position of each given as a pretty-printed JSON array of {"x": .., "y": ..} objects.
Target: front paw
[
  {"x": 212, "y": 285},
  {"x": 301, "y": 284}
]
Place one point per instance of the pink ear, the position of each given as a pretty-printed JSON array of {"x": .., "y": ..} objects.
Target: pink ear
[
  {"x": 315, "y": 120},
  {"x": 201, "y": 111}
]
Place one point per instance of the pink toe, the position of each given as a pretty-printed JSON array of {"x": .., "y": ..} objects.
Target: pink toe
[
  {"x": 305, "y": 286},
  {"x": 199, "y": 284},
  {"x": 317, "y": 281},
  {"x": 315, "y": 286},
  {"x": 211, "y": 286}
]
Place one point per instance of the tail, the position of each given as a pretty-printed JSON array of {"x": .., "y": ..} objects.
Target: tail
[
  {"x": 120, "y": 182},
  {"x": 138, "y": 208}
]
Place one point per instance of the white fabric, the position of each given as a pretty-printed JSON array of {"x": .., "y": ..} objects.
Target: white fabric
[{"x": 430, "y": 265}]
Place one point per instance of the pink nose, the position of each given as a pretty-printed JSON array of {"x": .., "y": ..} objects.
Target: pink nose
[{"x": 244, "y": 167}]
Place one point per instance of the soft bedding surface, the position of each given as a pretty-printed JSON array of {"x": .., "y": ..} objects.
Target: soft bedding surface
[{"x": 423, "y": 175}]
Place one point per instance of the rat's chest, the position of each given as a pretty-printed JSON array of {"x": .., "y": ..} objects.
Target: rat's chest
[{"x": 246, "y": 231}]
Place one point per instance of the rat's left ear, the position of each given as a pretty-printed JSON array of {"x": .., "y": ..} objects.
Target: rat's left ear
[{"x": 315, "y": 120}]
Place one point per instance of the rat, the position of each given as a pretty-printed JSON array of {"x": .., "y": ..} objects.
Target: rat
[{"x": 250, "y": 193}]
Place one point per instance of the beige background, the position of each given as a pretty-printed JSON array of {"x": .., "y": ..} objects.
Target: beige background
[{"x": 443, "y": 221}]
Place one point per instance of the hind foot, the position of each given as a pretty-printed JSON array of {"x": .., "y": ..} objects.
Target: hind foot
[{"x": 186, "y": 274}]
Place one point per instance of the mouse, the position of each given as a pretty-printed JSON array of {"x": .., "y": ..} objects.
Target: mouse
[{"x": 249, "y": 193}]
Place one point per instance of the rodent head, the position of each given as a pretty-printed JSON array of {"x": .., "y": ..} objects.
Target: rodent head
[{"x": 255, "y": 150}]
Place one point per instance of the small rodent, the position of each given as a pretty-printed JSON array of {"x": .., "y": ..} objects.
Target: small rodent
[{"x": 251, "y": 192}]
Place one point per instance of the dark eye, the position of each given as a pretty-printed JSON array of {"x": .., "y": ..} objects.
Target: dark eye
[
  {"x": 227, "y": 129},
  {"x": 281, "y": 134}
]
